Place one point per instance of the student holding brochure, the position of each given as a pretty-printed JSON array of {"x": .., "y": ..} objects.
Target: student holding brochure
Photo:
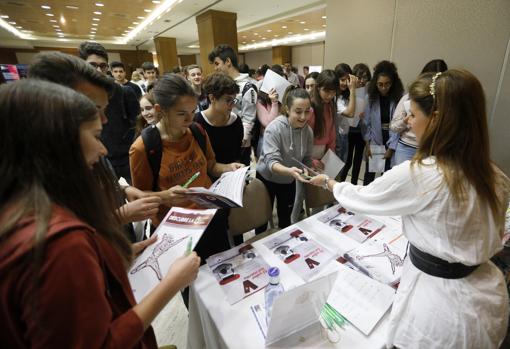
[
  {"x": 62, "y": 245},
  {"x": 286, "y": 139},
  {"x": 452, "y": 199},
  {"x": 182, "y": 156}
]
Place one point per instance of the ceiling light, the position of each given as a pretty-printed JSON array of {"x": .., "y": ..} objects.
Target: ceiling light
[
  {"x": 62, "y": 20},
  {"x": 244, "y": 36},
  {"x": 306, "y": 29},
  {"x": 99, "y": 4},
  {"x": 302, "y": 22},
  {"x": 147, "y": 10},
  {"x": 98, "y": 12},
  {"x": 263, "y": 38},
  {"x": 95, "y": 24},
  {"x": 244, "y": 42},
  {"x": 95, "y": 19},
  {"x": 290, "y": 33},
  {"x": 269, "y": 30},
  {"x": 324, "y": 26},
  {"x": 156, "y": 1},
  {"x": 130, "y": 27},
  {"x": 71, "y": 7},
  {"x": 58, "y": 30},
  {"x": 19, "y": 27},
  {"x": 13, "y": 23},
  {"x": 53, "y": 20},
  {"x": 324, "y": 17},
  {"x": 135, "y": 23},
  {"x": 255, "y": 34},
  {"x": 140, "y": 17},
  {"x": 276, "y": 35},
  {"x": 46, "y": 7},
  {"x": 284, "y": 27},
  {"x": 284, "y": 41},
  {"x": 50, "y": 14},
  {"x": 56, "y": 26},
  {"x": 4, "y": 16}
]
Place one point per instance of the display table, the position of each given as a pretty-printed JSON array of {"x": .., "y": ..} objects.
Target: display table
[{"x": 214, "y": 323}]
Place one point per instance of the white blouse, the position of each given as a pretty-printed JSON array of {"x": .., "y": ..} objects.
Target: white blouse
[{"x": 428, "y": 311}]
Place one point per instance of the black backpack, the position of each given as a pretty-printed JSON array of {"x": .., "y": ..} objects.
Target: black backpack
[{"x": 154, "y": 149}]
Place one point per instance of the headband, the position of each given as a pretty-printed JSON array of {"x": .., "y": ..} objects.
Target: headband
[{"x": 432, "y": 86}]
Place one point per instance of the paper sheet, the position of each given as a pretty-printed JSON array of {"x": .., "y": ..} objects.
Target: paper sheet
[
  {"x": 360, "y": 299},
  {"x": 273, "y": 80},
  {"x": 376, "y": 161},
  {"x": 332, "y": 164}
]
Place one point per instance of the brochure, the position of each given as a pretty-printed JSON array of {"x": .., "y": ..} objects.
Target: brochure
[
  {"x": 332, "y": 164},
  {"x": 376, "y": 162},
  {"x": 273, "y": 80},
  {"x": 240, "y": 271},
  {"x": 360, "y": 299},
  {"x": 179, "y": 231},
  {"x": 305, "y": 256},
  {"x": 355, "y": 226},
  {"x": 382, "y": 256},
  {"x": 226, "y": 192}
]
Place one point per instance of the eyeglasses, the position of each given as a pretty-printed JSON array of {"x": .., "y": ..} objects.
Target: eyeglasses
[
  {"x": 102, "y": 66},
  {"x": 229, "y": 100}
]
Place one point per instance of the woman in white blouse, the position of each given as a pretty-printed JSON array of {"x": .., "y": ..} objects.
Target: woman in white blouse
[{"x": 452, "y": 200}]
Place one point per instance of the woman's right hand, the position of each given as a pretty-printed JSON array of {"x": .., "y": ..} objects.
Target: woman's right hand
[
  {"x": 273, "y": 95},
  {"x": 184, "y": 270},
  {"x": 298, "y": 174},
  {"x": 368, "y": 152},
  {"x": 353, "y": 82},
  {"x": 175, "y": 196}
]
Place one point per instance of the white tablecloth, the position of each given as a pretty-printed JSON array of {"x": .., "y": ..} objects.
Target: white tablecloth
[{"x": 214, "y": 323}]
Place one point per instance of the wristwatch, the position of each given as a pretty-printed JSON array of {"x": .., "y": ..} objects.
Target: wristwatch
[{"x": 325, "y": 184}]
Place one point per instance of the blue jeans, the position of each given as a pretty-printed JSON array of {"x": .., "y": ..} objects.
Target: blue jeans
[{"x": 403, "y": 153}]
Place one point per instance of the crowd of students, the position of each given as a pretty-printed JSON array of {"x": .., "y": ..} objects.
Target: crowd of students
[{"x": 69, "y": 133}]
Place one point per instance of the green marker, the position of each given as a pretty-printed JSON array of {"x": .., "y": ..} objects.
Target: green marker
[
  {"x": 188, "y": 247},
  {"x": 195, "y": 176}
]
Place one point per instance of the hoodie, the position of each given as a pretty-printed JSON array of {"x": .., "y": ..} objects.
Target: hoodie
[{"x": 281, "y": 144}]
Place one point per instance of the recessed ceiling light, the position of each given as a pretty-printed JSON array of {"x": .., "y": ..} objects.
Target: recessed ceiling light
[
  {"x": 255, "y": 34},
  {"x": 324, "y": 26},
  {"x": 4, "y": 16},
  {"x": 50, "y": 14},
  {"x": 276, "y": 35},
  {"x": 46, "y": 7},
  {"x": 253, "y": 41},
  {"x": 53, "y": 20},
  {"x": 130, "y": 27},
  {"x": 306, "y": 29},
  {"x": 58, "y": 30},
  {"x": 96, "y": 19},
  {"x": 56, "y": 26},
  {"x": 284, "y": 27},
  {"x": 302, "y": 22},
  {"x": 99, "y": 4},
  {"x": 244, "y": 42},
  {"x": 140, "y": 17},
  {"x": 62, "y": 20},
  {"x": 290, "y": 32},
  {"x": 156, "y": 1},
  {"x": 135, "y": 23},
  {"x": 324, "y": 17},
  {"x": 95, "y": 24},
  {"x": 269, "y": 30},
  {"x": 147, "y": 10},
  {"x": 19, "y": 27},
  {"x": 71, "y": 7},
  {"x": 98, "y": 12},
  {"x": 13, "y": 23},
  {"x": 263, "y": 38}
]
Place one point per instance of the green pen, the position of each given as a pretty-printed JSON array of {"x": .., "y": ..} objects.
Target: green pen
[
  {"x": 188, "y": 246},
  {"x": 195, "y": 176}
]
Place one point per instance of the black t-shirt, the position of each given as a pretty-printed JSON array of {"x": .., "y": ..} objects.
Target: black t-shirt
[
  {"x": 136, "y": 89},
  {"x": 225, "y": 140},
  {"x": 384, "y": 102}
]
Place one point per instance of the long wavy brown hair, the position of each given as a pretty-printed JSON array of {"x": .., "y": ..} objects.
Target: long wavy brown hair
[{"x": 457, "y": 135}]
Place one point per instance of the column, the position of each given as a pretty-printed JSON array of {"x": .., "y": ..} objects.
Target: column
[
  {"x": 166, "y": 50},
  {"x": 282, "y": 54},
  {"x": 214, "y": 28}
]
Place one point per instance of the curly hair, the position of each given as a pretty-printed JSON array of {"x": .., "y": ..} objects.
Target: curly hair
[
  {"x": 219, "y": 84},
  {"x": 389, "y": 69}
]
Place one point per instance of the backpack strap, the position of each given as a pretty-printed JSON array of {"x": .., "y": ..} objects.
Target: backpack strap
[
  {"x": 154, "y": 149},
  {"x": 199, "y": 134}
]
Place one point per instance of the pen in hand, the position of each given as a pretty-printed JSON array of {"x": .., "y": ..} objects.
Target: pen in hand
[{"x": 187, "y": 184}]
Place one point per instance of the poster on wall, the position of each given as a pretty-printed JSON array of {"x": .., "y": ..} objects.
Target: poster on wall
[{"x": 9, "y": 72}]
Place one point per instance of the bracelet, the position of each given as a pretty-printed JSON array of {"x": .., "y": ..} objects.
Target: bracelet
[{"x": 326, "y": 181}]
